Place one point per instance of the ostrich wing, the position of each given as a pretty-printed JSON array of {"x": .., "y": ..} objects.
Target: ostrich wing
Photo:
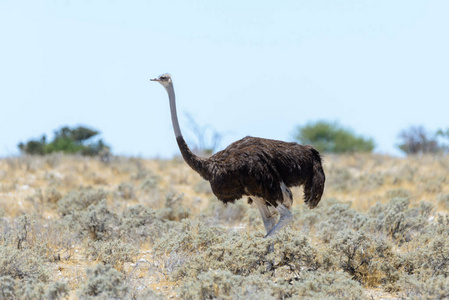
[{"x": 257, "y": 167}]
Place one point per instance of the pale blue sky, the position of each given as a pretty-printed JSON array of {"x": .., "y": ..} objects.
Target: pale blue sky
[{"x": 255, "y": 68}]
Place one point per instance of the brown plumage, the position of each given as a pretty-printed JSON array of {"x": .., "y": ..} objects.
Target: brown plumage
[{"x": 261, "y": 169}]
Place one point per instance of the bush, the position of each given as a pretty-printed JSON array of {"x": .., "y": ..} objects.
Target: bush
[
  {"x": 126, "y": 191},
  {"x": 103, "y": 282},
  {"x": 149, "y": 294},
  {"x": 57, "y": 290},
  {"x": 67, "y": 140},
  {"x": 219, "y": 284},
  {"x": 328, "y": 285},
  {"x": 443, "y": 200},
  {"x": 174, "y": 209},
  {"x": 7, "y": 287},
  {"x": 368, "y": 260},
  {"x": 397, "y": 220},
  {"x": 222, "y": 284},
  {"x": 415, "y": 287},
  {"x": 241, "y": 255},
  {"x": 114, "y": 253},
  {"x": 34, "y": 147},
  {"x": 85, "y": 211},
  {"x": 137, "y": 223},
  {"x": 337, "y": 218},
  {"x": 332, "y": 138},
  {"x": 22, "y": 263},
  {"x": 80, "y": 200},
  {"x": 417, "y": 140},
  {"x": 99, "y": 221}
]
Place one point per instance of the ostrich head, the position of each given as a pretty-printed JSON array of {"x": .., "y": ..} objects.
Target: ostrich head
[{"x": 164, "y": 79}]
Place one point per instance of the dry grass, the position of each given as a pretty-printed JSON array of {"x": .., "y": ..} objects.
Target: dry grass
[{"x": 71, "y": 225}]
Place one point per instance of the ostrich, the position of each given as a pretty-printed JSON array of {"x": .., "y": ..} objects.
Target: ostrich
[{"x": 259, "y": 168}]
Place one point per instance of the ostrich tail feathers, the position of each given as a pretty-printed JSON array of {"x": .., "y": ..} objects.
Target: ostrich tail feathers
[{"x": 314, "y": 187}]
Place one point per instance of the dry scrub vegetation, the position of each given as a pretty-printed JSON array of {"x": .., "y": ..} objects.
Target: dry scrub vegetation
[{"x": 77, "y": 228}]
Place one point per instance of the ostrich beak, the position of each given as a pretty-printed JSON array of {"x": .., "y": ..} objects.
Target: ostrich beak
[{"x": 154, "y": 79}]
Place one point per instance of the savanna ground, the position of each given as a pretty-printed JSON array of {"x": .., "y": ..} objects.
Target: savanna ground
[{"x": 78, "y": 228}]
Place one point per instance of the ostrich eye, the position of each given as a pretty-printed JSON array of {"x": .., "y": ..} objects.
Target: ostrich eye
[{"x": 163, "y": 77}]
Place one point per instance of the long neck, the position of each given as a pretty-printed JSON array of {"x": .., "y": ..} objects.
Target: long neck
[
  {"x": 198, "y": 164},
  {"x": 174, "y": 115}
]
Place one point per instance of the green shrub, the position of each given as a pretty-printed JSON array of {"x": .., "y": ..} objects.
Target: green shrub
[
  {"x": 34, "y": 147},
  {"x": 332, "y": 138},
  {"x": 67, "y": 140}
]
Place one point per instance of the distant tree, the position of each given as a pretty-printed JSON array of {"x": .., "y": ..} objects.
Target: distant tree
[
  {"x": 34, "y": 146},
  {"x": 444, "y": 135},
  {"x": 79, "y": 134},
  {"x": 67, "y": 140},
  {"x": 331, "y": 137},
  {"x": 417, "y": 140},
  {"x": 208, "y": 138}
]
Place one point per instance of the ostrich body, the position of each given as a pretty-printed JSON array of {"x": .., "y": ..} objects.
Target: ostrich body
[{"x": 261, "y": 169}]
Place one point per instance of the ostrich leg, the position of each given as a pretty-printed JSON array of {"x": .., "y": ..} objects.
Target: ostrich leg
[
  {"x": 286, "y": 215},
  {"x": 268, "y": 220},
  {"x": 267, "y": 217}
]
